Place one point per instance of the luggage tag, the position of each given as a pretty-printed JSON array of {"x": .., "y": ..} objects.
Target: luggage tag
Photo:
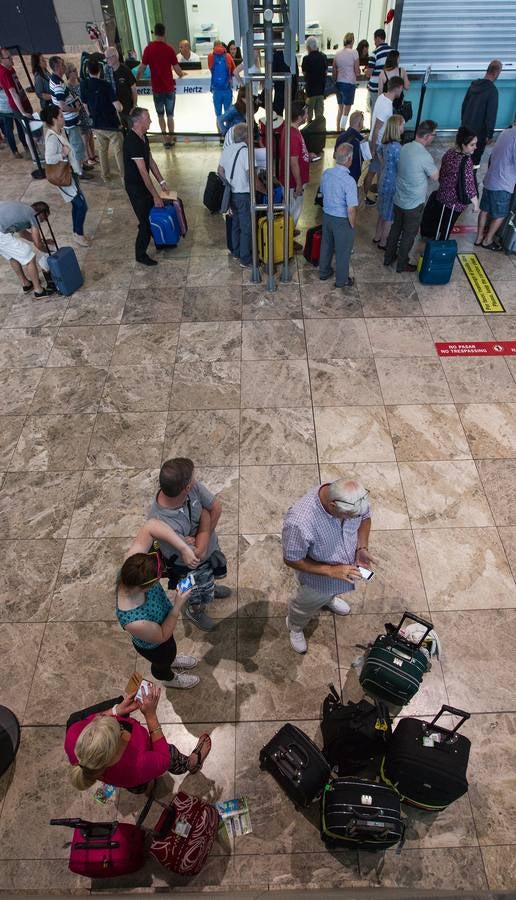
[
  {"x": 429, "y": 740},
  {"x": 182, "y": 828}
]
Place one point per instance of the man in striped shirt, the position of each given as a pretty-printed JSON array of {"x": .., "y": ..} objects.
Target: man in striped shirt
[
  {"x": 63, "y": 98},
  {"x": 376, "y": 64},
  {"x": 325, "y": 537}
]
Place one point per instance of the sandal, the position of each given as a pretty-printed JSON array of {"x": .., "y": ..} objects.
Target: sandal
[
  {"x": 492, "y": 246},
  {"x": 203, "y": 742},
  {"x": 477, "y": 243}
]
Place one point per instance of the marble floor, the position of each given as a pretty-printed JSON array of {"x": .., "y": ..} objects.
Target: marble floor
[{"x": 268, "y": 393}]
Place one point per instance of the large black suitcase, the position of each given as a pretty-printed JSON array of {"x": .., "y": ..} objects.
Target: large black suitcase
[
  {"x": 360, "y": 814},
  {"x": 314, "y": 135},
  {"x": 296, "y": 763},
  {"x": 426, "y": 764},
  {"x": 213, "y": 192},
  {"x": 354, "y": 735}
]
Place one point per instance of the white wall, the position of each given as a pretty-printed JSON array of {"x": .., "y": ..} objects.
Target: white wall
[{"x": 335, "y": 17}]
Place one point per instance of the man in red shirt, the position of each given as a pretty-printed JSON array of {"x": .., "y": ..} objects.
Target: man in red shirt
[
  {"x": 161, "y": 58},
  {"x": 299, "y": 163}
]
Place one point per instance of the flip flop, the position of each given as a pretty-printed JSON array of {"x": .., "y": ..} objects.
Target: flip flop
[{"x": 204, "y": 741}]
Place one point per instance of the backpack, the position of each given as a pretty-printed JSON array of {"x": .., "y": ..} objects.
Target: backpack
[
  {"x": 462, "y": 191},
  {"x": 219, "y": 72}
]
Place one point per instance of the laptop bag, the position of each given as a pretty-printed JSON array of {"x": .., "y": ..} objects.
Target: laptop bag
[
  {"x": 394, "y": 667},
  {"x": 296, "y": 763},
  {"x": 354, "y": 735},
  {"x": 360, "y": 814},
  {"x": 425, "y": 763}
]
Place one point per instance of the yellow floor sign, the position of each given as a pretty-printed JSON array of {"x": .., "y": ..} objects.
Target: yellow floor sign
[{"x": 482, "y": 287}]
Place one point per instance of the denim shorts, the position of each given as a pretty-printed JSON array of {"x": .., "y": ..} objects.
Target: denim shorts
[
  {"x": 165, "y": 103},
  {"x": 496, "y": 203},
  {"x": 345, "y": 93}
]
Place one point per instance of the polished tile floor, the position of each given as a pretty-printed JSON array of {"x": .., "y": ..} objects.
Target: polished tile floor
[{"x": 268, "y": 393}]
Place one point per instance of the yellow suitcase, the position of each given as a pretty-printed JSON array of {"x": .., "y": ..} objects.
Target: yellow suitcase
[{"x": 278, "y": 239}]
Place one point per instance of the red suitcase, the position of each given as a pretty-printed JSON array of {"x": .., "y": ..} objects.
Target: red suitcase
[
  {"x": 312, "y": 249},
  {"x": 104, "y": 849},
  {"x": 184, "y": 834},
  {"x": 181, "y": 217}
]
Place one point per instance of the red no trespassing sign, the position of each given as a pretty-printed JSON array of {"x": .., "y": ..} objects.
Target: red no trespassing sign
[{"x": 477, "y": 348}]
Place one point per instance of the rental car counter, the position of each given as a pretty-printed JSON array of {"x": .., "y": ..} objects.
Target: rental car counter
[{"x": 194, "y": 113}]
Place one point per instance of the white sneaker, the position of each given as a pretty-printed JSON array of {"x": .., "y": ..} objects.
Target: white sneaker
[
  {"x": 297, "y": 639},
  {"x": 184, "y": 662},
  {"x": 182, "y": 680},
  {"x": 338, "y": 606},
  {"x": 81, "y": 240}
]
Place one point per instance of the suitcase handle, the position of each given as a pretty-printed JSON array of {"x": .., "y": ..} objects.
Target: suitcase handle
[
  {"x": 87, "y": 828},
  {"x": 52, "y": 235},
  {"x": 334, "y": 692},
  {"x": 105, "y": 845},
  {"x": 411, "y": 615},
  {"x": 69, "y": 823},
  {"x": 449, "y": 223},
  {"x": 455, "y": 712}
]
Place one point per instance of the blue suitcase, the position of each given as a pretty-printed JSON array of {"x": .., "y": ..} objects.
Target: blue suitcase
[
  {"x": 165, "y": 226},
  {"x": 439, "y": 258},
  {"x": 63, "y": 266}
]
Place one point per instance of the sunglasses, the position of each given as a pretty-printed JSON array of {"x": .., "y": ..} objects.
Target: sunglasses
[{"x": 158, "y": 569}]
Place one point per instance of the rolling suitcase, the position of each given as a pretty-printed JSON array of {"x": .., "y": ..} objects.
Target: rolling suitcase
[
  {"x": 312, "y": 248},
  {"x": 394, "y": 667},
  {"x": 278, "y": 238},
  {"x": 62, "y": 265},
  {"x": 439, "y": 257},
  {"x": 296, "y": 763},
  {"x": 165, "y": 225},
  {"x": 104, "y": 849},
  {"x": 314, "y": 135},
  {"x": 184, "y": 834},
  {"x": 426, "y": 764},
  {"x": 213, "y": 192},
  {"x": 506, "y": 234},
  {"x": 360, "y": 814},
  {"x": 355, "y": 735}
]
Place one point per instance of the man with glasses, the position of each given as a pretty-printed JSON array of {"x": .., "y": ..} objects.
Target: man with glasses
[
  {"x": 63, "y": 98},
  {"x": 325, "y": 538},
  {"x": 124, "y": 83},
  {"x": 192, "y": 511}
]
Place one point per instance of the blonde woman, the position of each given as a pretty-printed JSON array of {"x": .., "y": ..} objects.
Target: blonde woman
[
  {"x": 58, "y": 149},
  {"x": 346, "y": 69},
  {"x": 114, "y": 748},
  {"x": 389, "y": 156}
]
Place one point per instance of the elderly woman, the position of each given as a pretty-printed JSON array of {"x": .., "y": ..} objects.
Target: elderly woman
[
  {"x": 325, "y": 538},
  {"x": 457, "y": 188},
  {"x": 114, "y": 748}
]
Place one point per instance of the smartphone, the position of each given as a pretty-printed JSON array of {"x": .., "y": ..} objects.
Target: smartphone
[
  {"x": 366, "y": 574},
  {"x": 186, "y": 583},
  {"x": 143, "y": 690}
]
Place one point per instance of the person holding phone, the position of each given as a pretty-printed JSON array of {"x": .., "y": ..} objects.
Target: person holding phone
[
  {"x": 326, "y": 540},
  {"x": 114, "y": 748},
  {"x": 144, "y": 609}
]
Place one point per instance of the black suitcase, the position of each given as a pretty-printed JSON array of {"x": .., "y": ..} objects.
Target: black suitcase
[
  {"x": 426, "y": 764},
  {"x": 354, "y": 735},
  {"x": 296, "y": 763},
  {"x": 213, "y": 192},
  {"x": 314, "y": 135},
  {"x": 360, "y": 814}
]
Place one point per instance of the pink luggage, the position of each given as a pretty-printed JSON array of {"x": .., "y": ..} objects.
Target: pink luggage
[
  {"x": 104, "y": 849},
  {"x": 184, "y": 834}
]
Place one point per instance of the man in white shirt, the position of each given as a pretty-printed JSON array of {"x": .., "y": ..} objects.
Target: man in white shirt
[
  {"x": 382, "y": 111},
  {"x": 234, "y": 167},
  {"x": 186, "y": 53}
]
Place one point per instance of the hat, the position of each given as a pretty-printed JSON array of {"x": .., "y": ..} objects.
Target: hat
[{"x": 277, "y": 121}]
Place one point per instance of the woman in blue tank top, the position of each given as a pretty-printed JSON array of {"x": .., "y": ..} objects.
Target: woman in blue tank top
[{"x": 144, "y": 609}]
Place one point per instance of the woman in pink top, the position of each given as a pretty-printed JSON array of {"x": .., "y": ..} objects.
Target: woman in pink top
[
  {"x": 346, "y": 69},
  {"x": 114, "y": 748}
]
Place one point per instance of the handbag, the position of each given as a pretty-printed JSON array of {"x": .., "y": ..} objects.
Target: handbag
[
  {"x": 59, "y": 173},
  {"x": 226, "y": 196},
  {"x": 405, "y": 110}
]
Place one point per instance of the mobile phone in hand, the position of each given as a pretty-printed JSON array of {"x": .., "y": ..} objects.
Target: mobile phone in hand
[
  {"x": 186, "y": 583},
  {"x": 143, "y": 690},
  {"x": 366, "y": 574}
]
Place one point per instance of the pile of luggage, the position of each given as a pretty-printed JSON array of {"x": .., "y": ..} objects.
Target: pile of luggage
[{"x": 367, "y": 768}]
